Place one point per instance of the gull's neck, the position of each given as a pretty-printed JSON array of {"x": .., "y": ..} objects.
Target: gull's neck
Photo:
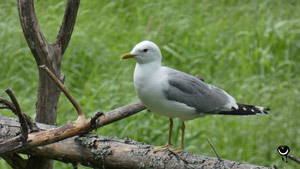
[
  {"x": 150, "y": 67},
  {"x": 144, "y": 76},
  {"x": 145, "y": 71}
]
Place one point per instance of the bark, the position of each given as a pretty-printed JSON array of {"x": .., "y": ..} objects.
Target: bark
[
  {"x": 80, "y": 126},
  {"x": 108, "y": 152},
  {"x": 49, "y": 55}
]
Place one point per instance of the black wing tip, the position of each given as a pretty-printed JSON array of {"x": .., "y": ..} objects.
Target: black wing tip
[
  {"x": 264, "y": 110},
  {"x": 245, "y": 110}
]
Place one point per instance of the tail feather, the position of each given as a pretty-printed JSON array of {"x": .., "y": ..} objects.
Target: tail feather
[{"x": 244, "y": 109}]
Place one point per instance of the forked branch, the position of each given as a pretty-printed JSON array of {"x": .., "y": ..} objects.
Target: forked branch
[
  {"x": 80, "y": 126},
  {"x": 77, "y": 127}
]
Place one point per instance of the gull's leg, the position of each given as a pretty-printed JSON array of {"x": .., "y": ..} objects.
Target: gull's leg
[
  {"x": 177, "y": 150},
  {"x": 182, "y": 135},
  {"x": 170, "y": 132},
  {"x": 169, "y": 138}
]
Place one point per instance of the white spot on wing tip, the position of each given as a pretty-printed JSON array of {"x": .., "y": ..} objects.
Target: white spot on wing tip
[
  {"x": 261, "y": 109},
  {"x": 244, "y": 108}
]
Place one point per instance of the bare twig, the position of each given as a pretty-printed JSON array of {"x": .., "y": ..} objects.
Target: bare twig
[
  {"x": 14, "y": 100},
  {"x": 219, "y": 158},
  {"x": 65, "y": 91},
  {"x": 120, "y": 113},
  {"x": 293, "y": 158},
  {"x": 8, "y": 105},
  {"x": 20, "y": 114}
]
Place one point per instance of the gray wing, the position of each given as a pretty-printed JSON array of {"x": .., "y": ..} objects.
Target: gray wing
[{"x": 193, "y": 92}]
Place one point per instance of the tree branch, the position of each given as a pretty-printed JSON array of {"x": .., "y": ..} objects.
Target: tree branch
[
  {"x": 11, "y": 106},
  {"x": 8, "y": 105},
  {"x": 217, "y": 154},
  {"x": 50, "y": 55},
  {"x": 20, "y": 114},
  {"x": 32, "y": 31},
  {"x": 67, "y": 25},
  {"x": 80, "y": 126},
  {"x": 101, "y": 151},
  {"x": 293, "y": 158},
  {"x": 77, "y": 127}
]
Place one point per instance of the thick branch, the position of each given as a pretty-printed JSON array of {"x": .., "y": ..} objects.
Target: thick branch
[
  {"x": 32, "y": 32},
  {"x": 100, "y": 151},
  {"x": 77, "y": 127},
  {"x": 67, "y": 25}
]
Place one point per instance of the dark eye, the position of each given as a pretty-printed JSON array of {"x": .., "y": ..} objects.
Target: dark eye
[{"x": 145, "y": 50}]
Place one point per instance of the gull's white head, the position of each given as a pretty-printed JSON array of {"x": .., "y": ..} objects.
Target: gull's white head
[{"x": 144, "y": 52}]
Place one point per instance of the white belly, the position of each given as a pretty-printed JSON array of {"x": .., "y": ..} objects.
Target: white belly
[
  {"x": 171, "y": 109},
  {"x": 150, "y": 91}
]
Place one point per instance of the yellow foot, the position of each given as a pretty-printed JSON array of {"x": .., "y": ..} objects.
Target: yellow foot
[
  {"x": 159, "y": 148},
  {"x": 176, "y": 150}
]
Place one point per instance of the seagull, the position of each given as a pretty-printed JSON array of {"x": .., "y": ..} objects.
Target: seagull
[{"x": 176, "y": 94}]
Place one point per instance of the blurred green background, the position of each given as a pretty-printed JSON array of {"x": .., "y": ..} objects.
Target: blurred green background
[{"x": 248, "y": 48}]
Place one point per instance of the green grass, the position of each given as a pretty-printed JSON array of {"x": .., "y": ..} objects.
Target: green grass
[{"x": 248, "y": 48}]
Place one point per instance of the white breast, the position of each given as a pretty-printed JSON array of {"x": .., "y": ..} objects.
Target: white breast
[{"x": 149, "y": 84}]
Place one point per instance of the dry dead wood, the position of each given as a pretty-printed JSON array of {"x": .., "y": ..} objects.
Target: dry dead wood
[
  {"x": 108, "y": 152},
  {"x": 80, "y": 126},
  {"x": 49, "y": 54}
]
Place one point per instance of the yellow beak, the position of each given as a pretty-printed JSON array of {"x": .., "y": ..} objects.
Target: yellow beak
[{"x": 127, "y": 56}]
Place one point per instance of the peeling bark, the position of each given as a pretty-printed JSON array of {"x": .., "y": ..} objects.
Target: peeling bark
[
  {"x": 109, "y": 152},
  {"x": 80, "y": 126}
]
